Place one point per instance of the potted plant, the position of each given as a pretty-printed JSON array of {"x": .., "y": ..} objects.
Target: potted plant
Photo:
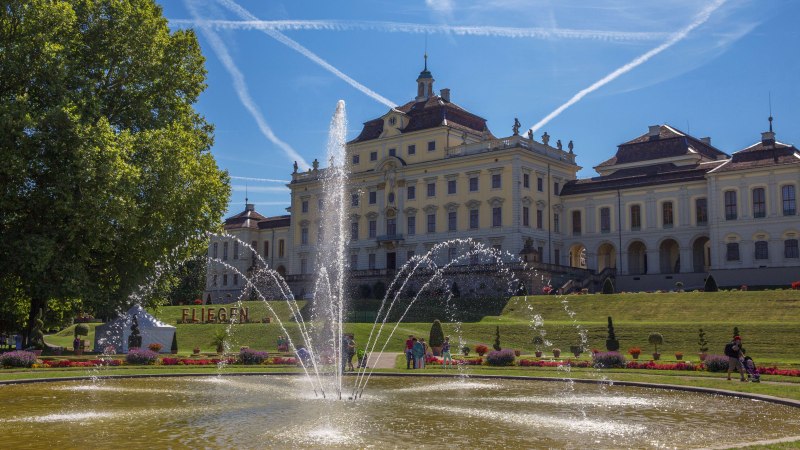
[
  {"x": 517, "y": 352},
  {"x": 465, "y": 350},
  {"x": 679, "y": 286},
  {"x": 538, "y": 342},
  {"x": 218, "y": 340},
  {"x": 576, "y": 350},
  {"x": 196, "y": 351},
  {"x": 703, "y": 344},
  {"x": 556, "y": 352},
  {"x": 678, "y": 356},
  {"x": 481, "y": 349},
  {"x": 656, "y": 339},
  {"x": 436, "y": 338},
  {"x": 156, "y": 347},
  {"x": 634, "y": 352}
]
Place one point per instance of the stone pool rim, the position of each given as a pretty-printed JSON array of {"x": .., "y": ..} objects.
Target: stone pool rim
[{"x": 672, "y": 387}]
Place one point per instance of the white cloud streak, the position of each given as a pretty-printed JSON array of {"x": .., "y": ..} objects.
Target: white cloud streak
[
  {"x": 259, "y": 180},
  {"x": 415, "y": 28},
  {"x": 260, "y": 189},
  {"x": 285, "y": 40},
  {"x": 242, "y": 91},
  {"x": 700, "y": 19}
]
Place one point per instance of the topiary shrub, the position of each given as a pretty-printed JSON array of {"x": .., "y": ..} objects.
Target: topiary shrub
[
  {"x": 608, "y": 286},
  {"x": 655, "y": 339},
  {"x": 702, "y": 342},
  {"x": 496, "y": 345},
  {"x": 19, "y": 358},
  {"x": 37, "y": 337},
  {"x": 711, "y": 284},
  {"x": 141, "y": 356},
  {"x": 716, "y": 363},
  {"x": 81, "y": 329},
  {"x": 481, "y": 349},
  {"x": 174, "y": 347},
  {"x": 248, "y": 356},
  {"x": 612, "y": 344},
  {"x": 465, "y": 350},
  {"x": 608, "y": 360},
  {"x": 500, "y": 358},
  {"x": 436, "y": 338}
]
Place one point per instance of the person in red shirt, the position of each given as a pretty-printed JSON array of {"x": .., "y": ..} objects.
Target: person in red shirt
[{"x": 409, "y": 356}]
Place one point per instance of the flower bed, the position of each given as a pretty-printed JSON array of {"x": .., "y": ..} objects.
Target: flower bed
[
  {"x": 652, "y": 365},
  {"x": 544, "y": 363},
  {"x": 500, "y": 358},
  {"x": 19, "y": 358},
  {"x": 248, "y": 356},
  {"x": 60, "y": 363},
  {"x": 457, "y": 361},
  {"x": 141, "y": 356}
]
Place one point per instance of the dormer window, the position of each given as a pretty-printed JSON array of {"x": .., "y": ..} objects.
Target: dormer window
[{"x": 392, "y": 121}]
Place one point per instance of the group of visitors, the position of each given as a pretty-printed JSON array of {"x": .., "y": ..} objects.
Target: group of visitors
[
  {"x": 418, "y": 351},
  {"x": 283, "y": 344}
]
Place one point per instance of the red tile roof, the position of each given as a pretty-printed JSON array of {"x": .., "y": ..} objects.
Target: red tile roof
[
  {"x": 249, "y": 218},
  {"x": 759, "y": 155},
  {"x": 671, "y": 142}
]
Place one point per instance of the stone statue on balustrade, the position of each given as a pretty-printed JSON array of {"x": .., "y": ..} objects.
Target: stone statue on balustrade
[{"x": 516, "y": 126}]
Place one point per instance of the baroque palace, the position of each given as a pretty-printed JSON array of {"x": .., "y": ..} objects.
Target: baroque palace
[{"x": 667, "y": 207}]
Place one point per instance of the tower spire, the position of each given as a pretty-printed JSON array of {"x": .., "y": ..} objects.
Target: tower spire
[
  {"x": 425, "y": 81},
  {"x": 770, "y": 111}
]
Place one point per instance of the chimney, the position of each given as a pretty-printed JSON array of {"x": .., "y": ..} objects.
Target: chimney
[
  {"x": 768, "y": 138},
  {"x": 445, "y": 94},
  {"x": 706, "y": 140},
  {"x": 654, "y": 131}
]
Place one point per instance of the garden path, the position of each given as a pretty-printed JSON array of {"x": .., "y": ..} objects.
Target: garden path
[{"x": 385, "y": 361}]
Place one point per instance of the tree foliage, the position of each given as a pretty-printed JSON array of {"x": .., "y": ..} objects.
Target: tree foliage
[{"x": 106, "y": 165}]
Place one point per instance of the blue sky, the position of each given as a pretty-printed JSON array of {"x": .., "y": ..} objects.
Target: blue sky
[{"x": 597, "y": 74}]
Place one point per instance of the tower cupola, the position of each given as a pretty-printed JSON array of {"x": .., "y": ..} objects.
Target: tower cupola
[{"x": 424, "y": 83}]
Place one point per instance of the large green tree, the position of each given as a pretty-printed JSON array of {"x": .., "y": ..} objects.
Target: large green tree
[{"x": 105, "y": 165}]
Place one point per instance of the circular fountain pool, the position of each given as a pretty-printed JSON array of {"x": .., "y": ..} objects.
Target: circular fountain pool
[{"x": 282, "y": 412}]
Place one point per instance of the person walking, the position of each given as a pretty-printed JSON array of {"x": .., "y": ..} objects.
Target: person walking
[
  {"x": 418, "y": 351},
  {"x": 735, "y": 353},
  {"x": 446, "y": 358},
  {"x": 351, "y": 352},
  {"x": 409, "y": 353}
]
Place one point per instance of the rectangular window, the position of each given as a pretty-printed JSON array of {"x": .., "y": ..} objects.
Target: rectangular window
[
  {"x": 730, "y": 205},
  {"x": 789, "y": 200},
  {"x": 576, "y": 223},
  {"x": 526, "y": 180},
  {"x": 540, "y": 251},
  {"x": 556, "y": 190},
  {"x": 540, "y": 184},
  {"x": 732, "y": 252},
  {"x": 667, "y": 218},
  {"x": 372, "y": 260},
  {"x": 214, "y": 253},
  {"x": 412, "y": 149},
  {"x": 432, "y": 189},
  {"x": 254, "y": 245},
  {"x": 373, "y": 197},
  {"x": 431, "y": 146},
  {"x": 224, "y": 251},
  {"x": 451, "y": 221},
  {"x": 266, "y": 249},
  {"x": 636, "y": 217},
  {"x": 373, "y": 156},
  {"x": 701, "y": 211},
  {"x": 411, "y": 227},
  {"x": 411, "y": 192},
  {"x": 392, "y": 152},
  {"x": 214, "y": 283},
  {"x": 431, "y": 223},
  {"x": 354, "y": 231},
  {"x": 353, "y": 199},
  {"x": 451, "y": 186},
  {"x": 281, "y": 248},
  {"x": 225, "y": 279},
  {"x": 236, "y": 279},
  {"x": 539, "y": 219},
  {"x": 556, "y": 223},
  {"x": 790, "y": 249},
  {"x": 391, "y": 226},
  {"x": 605, "y": 220},
  {"x": 762, "y": 250},
  {"x": 526, "y": 216},
  {"x": 451, "y": 253},
  {"x": 235, "y": 249},
  {"x": 473, "y": 219},
  {"x": 373, "y": 228},
  {"x": 497, "y": 217},
  {"x": 759, "y": 203},
  {"x": 354, "y": 261},
  {"x": 356, "y": 159},
  {"x": 496, "y": 181},
  {"x": 304, "y": 206},
  {"x": 473, "y": 184},
  {"x": 304, "y": 236}
]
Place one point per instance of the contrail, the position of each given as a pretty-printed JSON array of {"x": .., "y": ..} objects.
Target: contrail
[
  {"x": 241, "y": 90},
  {"x": 701, "y": 18},
  {"x": 414, "y": 28},
  {"x": 260, "y": 180},
  {"x": 285, "y": 40}
]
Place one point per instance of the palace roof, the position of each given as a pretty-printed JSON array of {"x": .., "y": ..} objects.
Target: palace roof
[
  {"x": 669, "y": 142},
  {"x": 761, "y": 155},
  {"x": 249, "y": 218}
]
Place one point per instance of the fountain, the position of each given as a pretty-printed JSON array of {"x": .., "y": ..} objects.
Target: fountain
[{"x": 313, "y": 410}]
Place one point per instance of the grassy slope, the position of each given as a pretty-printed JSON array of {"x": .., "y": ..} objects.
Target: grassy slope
[{"x": 768, "y": 320}]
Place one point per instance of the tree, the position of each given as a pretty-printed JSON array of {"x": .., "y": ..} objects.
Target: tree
[
  {"x": 436, "y": 338},
  {"x": 701, "y": 341},
  {"x": 37, "y": 336},
  {"x": 655, "y": 339},
  {"x": 106, "y": 165},
  {"x": 612, "y": 344},
  {"x": 497, "y": 339}
]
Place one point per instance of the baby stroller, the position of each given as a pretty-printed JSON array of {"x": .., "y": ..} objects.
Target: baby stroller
[{"x": 752, "y": 371}]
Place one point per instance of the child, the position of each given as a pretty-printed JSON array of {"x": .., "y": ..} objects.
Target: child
[{"x": 446, "y": 358}]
